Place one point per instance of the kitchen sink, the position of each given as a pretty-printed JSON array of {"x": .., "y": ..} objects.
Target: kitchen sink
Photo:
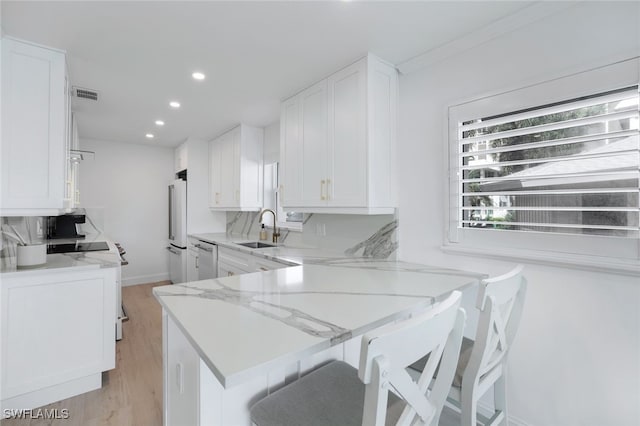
[{"x": 255, "y": 244}]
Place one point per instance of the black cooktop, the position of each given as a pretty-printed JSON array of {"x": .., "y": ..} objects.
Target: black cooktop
[{"x": 76, "y": 247}]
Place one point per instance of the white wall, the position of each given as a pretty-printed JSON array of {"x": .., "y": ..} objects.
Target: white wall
[
  {"x": 576, "y": 359},
  {"x": 130, "y": 182}
]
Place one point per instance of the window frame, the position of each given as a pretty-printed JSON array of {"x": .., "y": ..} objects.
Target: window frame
[
  {"x": 586, "y": 251},
  {"x": 280, "y": 213}
]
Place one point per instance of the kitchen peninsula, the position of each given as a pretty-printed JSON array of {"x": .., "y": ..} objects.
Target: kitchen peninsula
[{"x": 229, "y": 342}]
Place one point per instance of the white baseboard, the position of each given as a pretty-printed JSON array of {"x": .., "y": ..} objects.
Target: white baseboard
[
  {"x": 487, "y": 411},
  {"x": 144, "y": 279}
]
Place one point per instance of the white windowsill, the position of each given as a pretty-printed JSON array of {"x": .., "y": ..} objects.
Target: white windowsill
[{"x": 549, "y": 258}]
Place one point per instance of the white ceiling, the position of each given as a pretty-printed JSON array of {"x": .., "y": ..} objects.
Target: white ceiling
[{"x": 140, "y": 55}]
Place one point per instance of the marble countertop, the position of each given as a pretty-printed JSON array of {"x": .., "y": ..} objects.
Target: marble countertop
[
  {"x": 83, "y": 260},
  {"x": 249, "y": 324},
  {"x": 283, "y": 253},
  {"x": 299, "y": 255}
]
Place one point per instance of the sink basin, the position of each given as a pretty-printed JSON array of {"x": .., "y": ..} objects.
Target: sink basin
[{"x": 255, "y": 244}]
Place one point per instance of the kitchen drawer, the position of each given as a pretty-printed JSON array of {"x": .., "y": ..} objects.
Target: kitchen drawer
[
  {"x": 235, "y": 259},
  {"x": 227, "y": 270},
  {"x": 267, "y": 265}
]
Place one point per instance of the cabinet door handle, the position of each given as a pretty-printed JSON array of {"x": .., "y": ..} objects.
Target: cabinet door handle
[
  {"x": 78, "y": 196},
  {"x": 328, "y": 191},
  {"x": 180, "y": 377},
  {"x": 237, "y": 195},
  {"x": 322, "y": 182},
  {"x": 217, "y": 197},
  {"x": 197, "y": 262},
  {"x": 262, "y": 268},
  {"x": 230, "y": 273}
]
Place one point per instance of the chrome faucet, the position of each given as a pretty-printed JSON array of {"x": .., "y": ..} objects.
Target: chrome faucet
[{"x": 276, "y": 234}]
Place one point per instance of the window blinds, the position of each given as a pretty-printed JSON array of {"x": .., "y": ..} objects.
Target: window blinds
[{"x": 570, "y": 167}]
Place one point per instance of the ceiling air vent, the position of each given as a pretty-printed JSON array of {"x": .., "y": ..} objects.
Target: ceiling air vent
[{"x": 83, "y": 93}]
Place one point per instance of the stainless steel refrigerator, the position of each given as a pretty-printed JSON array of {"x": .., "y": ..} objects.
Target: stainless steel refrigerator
[{"x": 177, "y": 235}]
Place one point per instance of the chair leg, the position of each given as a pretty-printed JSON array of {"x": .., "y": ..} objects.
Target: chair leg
[
  {"x": 500, "y": 397},
  {"x": 468, "y": 405}
]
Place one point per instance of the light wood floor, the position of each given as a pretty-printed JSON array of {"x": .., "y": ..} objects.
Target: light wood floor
[{"x": 131, "y": 394}]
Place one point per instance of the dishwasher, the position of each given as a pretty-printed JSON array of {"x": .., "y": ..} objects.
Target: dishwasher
[{"x": 207, "y": 260}]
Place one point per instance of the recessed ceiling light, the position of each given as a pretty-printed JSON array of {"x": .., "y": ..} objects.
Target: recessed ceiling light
[
  {"x": 159, "y": 123},
  {"x": 149, "y": 135},
  {"x": 174, "y": 104},
  {"x": 197, "y": 76}
]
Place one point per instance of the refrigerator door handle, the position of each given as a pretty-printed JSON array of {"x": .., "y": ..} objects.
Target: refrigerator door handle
[{"x": 171, "y": 215}]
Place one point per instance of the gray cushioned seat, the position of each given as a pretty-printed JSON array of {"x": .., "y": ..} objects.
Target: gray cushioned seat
[
  {"x": 331, "y": 395},
  {"x": 331, "y": 392},
  {"x": 465, "y": 355}
]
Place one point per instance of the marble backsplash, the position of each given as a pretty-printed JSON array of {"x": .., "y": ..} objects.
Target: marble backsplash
[{"x": 371, "y": 236}]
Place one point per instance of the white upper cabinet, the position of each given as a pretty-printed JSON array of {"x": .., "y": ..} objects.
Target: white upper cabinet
[
  {"x": 313, "y": 140},
  {"x": 180, "y": 158},
  {"x": 337, "y": 143},
  {"x": 34, "y": 131},
  {"x": 235, "y": 170}
]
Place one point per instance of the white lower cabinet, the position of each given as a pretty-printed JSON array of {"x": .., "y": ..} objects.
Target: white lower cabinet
[
  {"x": 261, "y": 265},
  {"x": 57, "y": 335},
  {"x": 181, "y": 365},
  {"x": 192, "y": 264},
  {"x": 233, "y": 262}
]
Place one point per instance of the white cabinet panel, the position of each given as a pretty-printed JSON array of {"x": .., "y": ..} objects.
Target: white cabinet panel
[
  {"x": 182, "y": 368},
  {"x": 261, "y": 265},
  {"x": 291, "y": 154},
  {"x": 232, "y": 262},
  {"x": 56, "y": 327},
  {"x": 338, "y": 146},
  {"x": 192, "y": 265},
  {"x": 236, "y": 170},
  {"x": 347, "y": 142},
  {"x": 313, "y": 138},
  {"x": 180, "y": 158},
  {"x": 33, "y": 127}
]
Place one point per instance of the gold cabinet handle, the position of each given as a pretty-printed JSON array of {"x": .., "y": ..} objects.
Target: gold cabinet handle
[{"x": 322, "y": 182}]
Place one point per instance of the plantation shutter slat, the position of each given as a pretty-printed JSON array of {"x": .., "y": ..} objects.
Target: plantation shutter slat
[{"x": 568, "y": 167}]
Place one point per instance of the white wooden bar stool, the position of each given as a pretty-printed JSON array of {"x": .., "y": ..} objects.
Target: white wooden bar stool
[
  {"x": 483, "y": 362},
  {"x": 338, "y": 394}
]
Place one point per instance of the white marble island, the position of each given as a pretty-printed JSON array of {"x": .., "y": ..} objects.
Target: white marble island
[{"x": 229, "y": 342}]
